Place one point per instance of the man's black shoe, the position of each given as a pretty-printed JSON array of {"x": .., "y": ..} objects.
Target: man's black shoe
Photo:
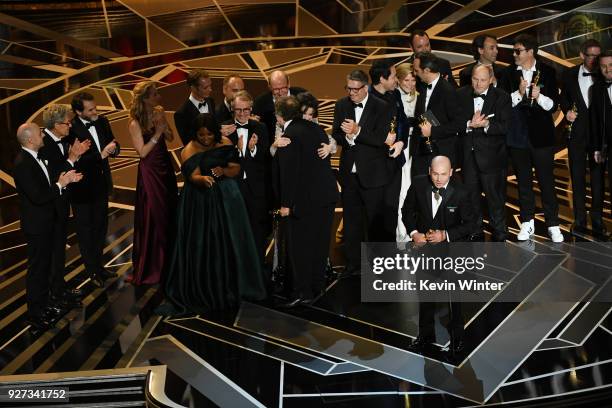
[
  {"x": 106, "y": 274},
  {"x": 421, "y": 345},
  {"x": 96, "y": 281},
  {"x": 64, "y": 302},
  {"x": 579, "y": 229},
  {"x": 295, "y": 302},
  {"x": 73, "y": 293},
  {"x": 38, "y": 324}
]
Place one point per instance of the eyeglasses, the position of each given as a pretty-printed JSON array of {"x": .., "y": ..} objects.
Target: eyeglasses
[
  {"x": 517, "y": 51},
  {"x": 245, "y": 110},
  {"x": 281, "y": 89},
  {"x": 353, "y": 90}
]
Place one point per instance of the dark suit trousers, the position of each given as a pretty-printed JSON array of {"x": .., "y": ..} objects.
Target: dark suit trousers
[
  {"x": 578, "y": 157},
  {"x": 427, "y": 322},
  {"x": 257, "y": 209},
  {"x": 37, "y": 277},
  {"x": 58, "y": 257},
  {"x": 523, "y": 160},
  {"x": 494, "y": 187},
  {"x": 364, "y": 214},
  {"x": 308, "y": 244},
  {"x": 91, "y": 225},
  {"x": 392, "y": 193}
]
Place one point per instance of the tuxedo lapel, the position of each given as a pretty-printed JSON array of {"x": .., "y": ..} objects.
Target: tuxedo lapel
[
  {"x": 367, "y": 111},
  {"x": 489, "y": 101}
]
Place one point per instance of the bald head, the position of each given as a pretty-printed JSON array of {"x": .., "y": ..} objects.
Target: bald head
[
  {"x": 279, "y": 84},
  {"x": 482, "y": 77},
  {"x": 28, "y": 135},
  {"x": 440, "y": 171}
]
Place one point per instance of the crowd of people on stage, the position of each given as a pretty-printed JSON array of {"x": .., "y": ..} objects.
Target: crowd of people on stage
[{"x": 401, "y": 132}]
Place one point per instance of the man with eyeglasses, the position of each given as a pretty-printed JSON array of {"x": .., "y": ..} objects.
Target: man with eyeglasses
[
  {"x": 575, "y": 102},
  {"x": 60, "y": 157},
  {"x": 200, "y": 86},
  {"x": 600, "y": 115},
  {"x": 252, "y": 142},
  {"x": 533, "y": 89},
  {"x": 484, "y": 50},
  {"x": 361, "y": 126},
  {"x": 279, "y": 86},
  {"x": 232, "y": 84},
  {"x": 89, "y": 198}
]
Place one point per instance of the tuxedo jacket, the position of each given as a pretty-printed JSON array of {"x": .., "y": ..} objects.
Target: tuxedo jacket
[
  {"x": 36, "y": 195},
  {"x": 254, "y": 166},
  {"x": 489, "y": 147},
  {"x": 222, "y": 113},
  {"x": 600, "y": 115},
  {"x": 455, "y": 214},
  {"x": 307, "y": 182},
  {"x": 570, "y": 95},
  {"x": 443, "y": 104},
  {"x": 370, "y": 153},
  {"x": 263, "y": 106},
  {"x": 57, "y": 164},
  {"x": 531, "y": 124},
  {"x": 184, "y": 118},
  {"x": 97, "y": 182},
  {"x": 465, "y": 75}
]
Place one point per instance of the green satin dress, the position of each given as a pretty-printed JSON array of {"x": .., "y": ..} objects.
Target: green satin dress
[{"x": 214, "y": 261}]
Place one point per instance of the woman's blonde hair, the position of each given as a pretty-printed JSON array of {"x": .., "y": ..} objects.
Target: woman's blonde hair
[
  {"x": 402, "y": 70},
  {"x": 138, "y": 111}
]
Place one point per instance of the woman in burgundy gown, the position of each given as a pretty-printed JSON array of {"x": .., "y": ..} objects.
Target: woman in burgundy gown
[{"x": 156, "y": 191}]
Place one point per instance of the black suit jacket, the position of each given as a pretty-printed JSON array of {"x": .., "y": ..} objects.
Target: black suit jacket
[
  {"x": 255, "y": 167},
  {"x": 532, "y": 124},
  {"x": 455, "y": 214},
  {"x": 97, "y": 182},
  {"x": 36, "y": 196},
  {"x": 443, "y": 104},
  {"x": 600, "y": 114},
  {"x": 185, "y": 116},
  {"x": 489, "y": 147},
  {"x": 263, "y": 106},
  {"x": 222, "y": 113},
  {"x": 570, "y": 95},
  {"x": 370, "y": 153},
  {"x": 306, "y": 181},
  {"x": 465, "y": 75},
  {"x": 57, "y": 164}
]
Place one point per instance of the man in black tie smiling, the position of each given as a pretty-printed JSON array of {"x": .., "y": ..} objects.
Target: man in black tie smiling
[
  {"x": 252, "y": 142},
  {"x": 483, "y": 119},
  {"x": 361, "y": 127},
  {"x": 61, "y": 157},
  {"x": 199, "y": 101}
]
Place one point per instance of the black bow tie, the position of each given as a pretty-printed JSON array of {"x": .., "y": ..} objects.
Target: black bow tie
[
  {"x": 429, "y": 86},
  {"x": 59, "y": 142},
  {"x": 608, "y": 84},
  {"x": 89, "y": 124},
  {"x": 201, "y": 104},
  {"x": 587, "y": 74},
  {"x": 479, "y": 96},
  {"x": 238, "y": 126},
  {"x": 358, "y": 105},
  {"x": 438, "y": 192}
]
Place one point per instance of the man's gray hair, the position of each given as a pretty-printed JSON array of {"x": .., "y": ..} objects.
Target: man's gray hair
[{"x": 55, "y": 113}]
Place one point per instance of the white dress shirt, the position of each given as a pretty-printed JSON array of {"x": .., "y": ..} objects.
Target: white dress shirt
[
  {"x": 430, "y": 90},
  {"x": 585, "y": 83},
  {"x": 358, "y": 113},
  {"x": 244, "y": 135},
  {"x": 42, "y": 166},
  {"x": 196, "y": 103},
  {"x": 60, "y": 145},
  {"x": 544, "y": 101},
  {"x": 93, "y": 133}
]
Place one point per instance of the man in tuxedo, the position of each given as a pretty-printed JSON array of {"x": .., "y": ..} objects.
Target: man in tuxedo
[
  {"x": 533, "y": 89},
  {"x": 419, "y": 41},
  {"x": 232, "y": 84},
  {"x": 575, "y": 101},
  {"x": 308, "y": 194},
  {"x": 252, "y": 142},
  {"x": 279, "y": 86},
  {"x": 484, "y": 50},
  {"x": 600, "y": 114},
  {"x": 438, "y": 209},
  {"x": 60, "y": 157},
  {"x": 38, "y": 192},
  {"x": 361, "y": 127},
  {"x": 90, "y": 197},
  {"x": 199, "y": 101},
  {"x": 437, "y": 96},
  {"x": 485, "y": 114}
]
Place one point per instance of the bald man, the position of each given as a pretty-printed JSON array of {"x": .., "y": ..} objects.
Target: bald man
[
  {"x": 438, "y": 209},
  {"x": 38, "y": 191},
  {"x": 278, "y": 84},
  {"x": 232, "y": 84}
]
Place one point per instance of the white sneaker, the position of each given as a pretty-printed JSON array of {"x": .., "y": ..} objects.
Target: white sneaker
[
  {"x": 527, "y": 230},
  {"x": 555, "y": 234}
]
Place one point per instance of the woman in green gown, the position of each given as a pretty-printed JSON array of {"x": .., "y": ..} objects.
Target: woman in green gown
[{"x": 214, "y": 262}]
